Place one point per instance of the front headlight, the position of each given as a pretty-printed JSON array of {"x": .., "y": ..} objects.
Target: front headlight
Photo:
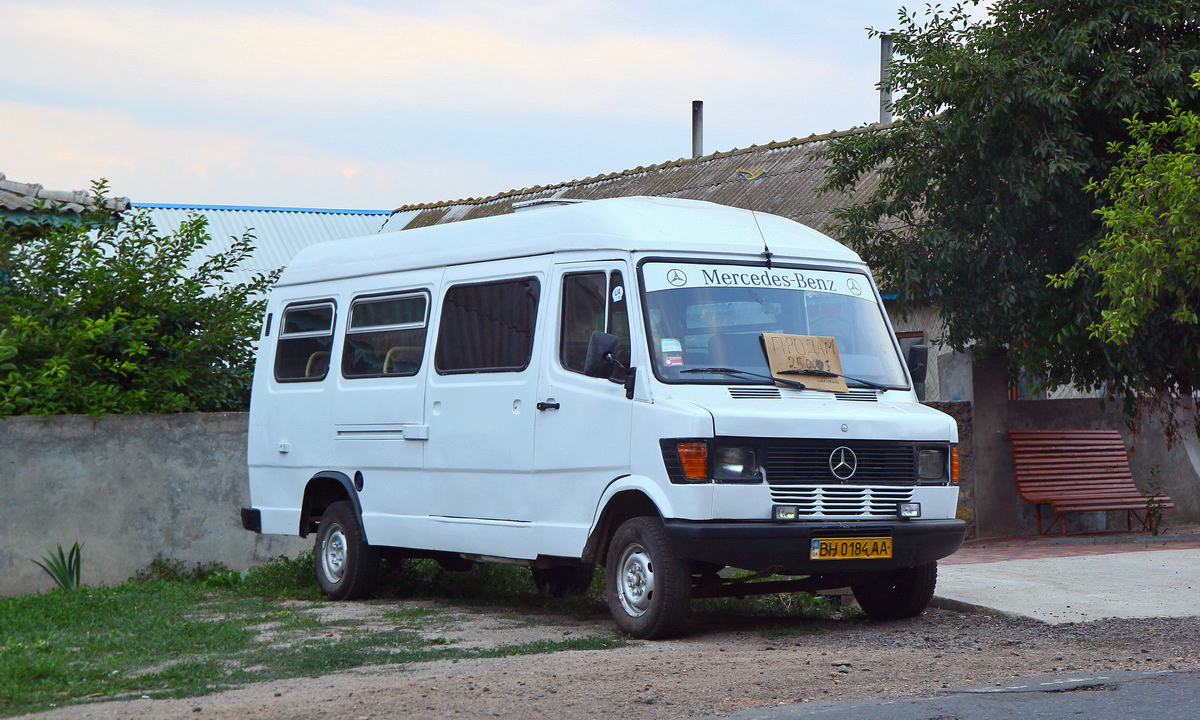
[
  {"x": 931, "y": 464},
  {"x": 732, "y": 463}
]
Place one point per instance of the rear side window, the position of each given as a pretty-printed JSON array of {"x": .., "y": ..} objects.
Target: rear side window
[
  {"x": 385, "y": 336},
  {"x": 305, "y": 339},
  {"x": 487, "y": 327}
]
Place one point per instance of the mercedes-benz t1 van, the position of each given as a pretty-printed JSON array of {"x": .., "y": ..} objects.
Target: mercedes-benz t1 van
[{"x": 665, "y": 388}]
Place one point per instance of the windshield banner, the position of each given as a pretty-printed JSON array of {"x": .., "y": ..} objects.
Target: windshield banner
[{"x": 674, "y": 276}]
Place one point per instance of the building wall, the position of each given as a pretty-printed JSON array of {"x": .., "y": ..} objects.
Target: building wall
[{"x": 129, "y": 487}]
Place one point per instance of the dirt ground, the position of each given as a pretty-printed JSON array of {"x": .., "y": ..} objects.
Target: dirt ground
[{"x": 726, "y": 665}]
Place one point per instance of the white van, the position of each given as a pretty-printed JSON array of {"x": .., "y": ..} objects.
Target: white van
[{"x": 587, "y": 384}]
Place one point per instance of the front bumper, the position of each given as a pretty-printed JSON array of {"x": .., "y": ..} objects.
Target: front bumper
[{"x": 784, "y": 546}]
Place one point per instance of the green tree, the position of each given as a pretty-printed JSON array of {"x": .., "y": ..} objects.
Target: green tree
[
  {"x": 980, "y": 188},
  {"x": 102, "y": 315},
  {"x": 1149, "y": 258}
]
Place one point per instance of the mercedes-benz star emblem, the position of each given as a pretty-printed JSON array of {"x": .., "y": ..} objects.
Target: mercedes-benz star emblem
[
  {"x": 676, "y": 277},
  {"x": 853, "y": 286},
  {"x": 843, "y": 462}
]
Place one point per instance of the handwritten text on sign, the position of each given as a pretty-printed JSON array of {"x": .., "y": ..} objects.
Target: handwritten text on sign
[{"x": 805, "y": 352}]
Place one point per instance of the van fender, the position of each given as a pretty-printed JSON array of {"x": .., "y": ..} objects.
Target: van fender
[
  {"x": 327, "y": 479},
  {"x": 646, "y": 496}
]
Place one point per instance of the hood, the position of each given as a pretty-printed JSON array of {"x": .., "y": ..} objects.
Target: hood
[{"x": 763, "y": 411}]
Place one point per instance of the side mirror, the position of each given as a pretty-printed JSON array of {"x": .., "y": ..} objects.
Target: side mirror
[
  {"x": 598, "y": 362},
  {"x": 918, "y": 362}
]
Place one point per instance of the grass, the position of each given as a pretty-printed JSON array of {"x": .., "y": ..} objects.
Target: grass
[{"x": 175, "y": 631}]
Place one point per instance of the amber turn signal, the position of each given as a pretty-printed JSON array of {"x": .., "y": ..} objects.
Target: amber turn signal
[{"x": 693, "y": 456}]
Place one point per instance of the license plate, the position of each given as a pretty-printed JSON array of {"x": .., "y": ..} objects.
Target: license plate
[{"x": 851, "y": 548}]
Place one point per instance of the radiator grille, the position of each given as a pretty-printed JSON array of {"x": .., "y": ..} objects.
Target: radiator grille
[
  {"x": 791, "y": 462},
  {"x": 844, "y": 501}
]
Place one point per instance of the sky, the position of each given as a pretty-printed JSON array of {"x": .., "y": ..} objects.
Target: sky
[{"x": 377, "y": 104}]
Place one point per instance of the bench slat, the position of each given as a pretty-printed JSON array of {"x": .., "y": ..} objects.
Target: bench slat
[{"x": 1077, "y": 471}]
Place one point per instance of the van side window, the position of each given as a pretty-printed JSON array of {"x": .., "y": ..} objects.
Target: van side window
[
  {"x": 385, "y": 336},
  {"x": 305, "y": 339},
  {"x": 591, "y": 302},
  {"x": 487, "y": 327}
]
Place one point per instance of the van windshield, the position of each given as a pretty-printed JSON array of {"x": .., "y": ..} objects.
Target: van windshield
[{"x": 713, "y": 316}]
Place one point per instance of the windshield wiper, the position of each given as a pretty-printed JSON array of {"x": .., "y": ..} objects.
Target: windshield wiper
[
  {"x": 826, "y": 373},
  {"x": 734, "y": 371}
]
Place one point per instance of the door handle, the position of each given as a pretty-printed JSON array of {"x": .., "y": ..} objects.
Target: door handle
[{"x": 547, "y": 405}]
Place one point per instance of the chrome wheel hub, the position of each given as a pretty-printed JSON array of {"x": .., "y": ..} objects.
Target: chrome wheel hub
[
  {"x": 333, "y": 554},
  {"x": 635, "y": 580}
]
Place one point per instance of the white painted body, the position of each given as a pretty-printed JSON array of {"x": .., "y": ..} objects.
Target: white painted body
[{"x": 465, "y": 463}]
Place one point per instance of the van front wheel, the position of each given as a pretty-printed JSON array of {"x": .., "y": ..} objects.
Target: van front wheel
[
  {"x": 646, "y": 586},
  {"x": 347, "y": 567},
  {"x": 898, "y": 594}
]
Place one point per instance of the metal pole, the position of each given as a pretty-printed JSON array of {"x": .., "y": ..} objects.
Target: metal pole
[
  {"x": 885, "y": 75},
  {"x": 697, "y": 128}
]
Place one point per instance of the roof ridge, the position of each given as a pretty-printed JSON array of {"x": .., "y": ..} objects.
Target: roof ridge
[
  {"x": 27, "y": 194},
  {"x": 639, "y": 170}
]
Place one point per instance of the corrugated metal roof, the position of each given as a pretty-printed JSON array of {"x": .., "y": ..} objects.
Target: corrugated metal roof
[
  {"x": 780, "y": 178},
  {"x": 279, "y": 233},
  {"x": 24, "y": 197}
]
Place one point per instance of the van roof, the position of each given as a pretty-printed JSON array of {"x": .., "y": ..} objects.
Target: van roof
[{"x": 629, "y": 224}]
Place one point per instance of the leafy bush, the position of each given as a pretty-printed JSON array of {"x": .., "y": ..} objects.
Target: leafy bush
[
  {"x": 283, "y": 577},
  {"x": 105, "y": 316},
  {"x": 169, "y": 570}
]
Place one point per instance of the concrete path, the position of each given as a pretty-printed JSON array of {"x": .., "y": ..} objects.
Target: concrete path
[{"x": 1076, "y": 579}]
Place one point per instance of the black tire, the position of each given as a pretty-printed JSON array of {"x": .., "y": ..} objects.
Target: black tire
[
  {"x": 347, "y": 568},
  {"x": 897, "y": 594},
  {"x": 564, "y": 579},
  {"x": 647, "y": 587}
]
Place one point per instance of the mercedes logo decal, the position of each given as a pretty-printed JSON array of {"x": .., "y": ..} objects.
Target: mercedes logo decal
[
  {"x": 853, "y": 286},
  {"x": 843, "y": 462},
  {"x": 676, "y": 277}
]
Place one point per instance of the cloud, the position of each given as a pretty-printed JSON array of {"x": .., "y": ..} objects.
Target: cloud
[
  {"x": 336, "y": 60},
  {"x": 377, "y": 103},
  {"x": 154, "y": 164}
]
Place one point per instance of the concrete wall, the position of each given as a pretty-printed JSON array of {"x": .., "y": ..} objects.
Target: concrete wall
[
  {"x": 999, "y": 510},
  {"x": 129, "y": 487}
]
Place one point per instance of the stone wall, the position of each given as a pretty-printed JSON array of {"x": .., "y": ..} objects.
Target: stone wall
[{"x": 961, "y": 412}]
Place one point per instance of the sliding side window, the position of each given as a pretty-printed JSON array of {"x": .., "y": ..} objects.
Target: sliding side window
[
  {"x": 386, "y": 336},
  {"x": 487, "y": 327},
  {"x": 305, "y": 339}
]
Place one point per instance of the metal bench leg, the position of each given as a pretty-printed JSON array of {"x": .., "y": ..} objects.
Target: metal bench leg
[{"x": 1058, "y": 518}]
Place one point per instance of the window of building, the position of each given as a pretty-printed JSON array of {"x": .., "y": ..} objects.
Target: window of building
[
  {"x": 487, "y": 327},
  {"x": 592, "y": 301},
  {"x": 385, "y": 336},
  {"x": 305, "y": 339}
]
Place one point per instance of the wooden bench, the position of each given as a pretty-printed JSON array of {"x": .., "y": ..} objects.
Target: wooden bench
[{"x": 1079, "y": 471}]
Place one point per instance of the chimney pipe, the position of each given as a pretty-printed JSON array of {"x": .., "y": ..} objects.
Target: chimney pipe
[
  {"x": 697, "y": 128},
  {"x": 885, "y": 75}
]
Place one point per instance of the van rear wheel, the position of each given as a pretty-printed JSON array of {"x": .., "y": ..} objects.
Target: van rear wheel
[
  {"x": 647, "y": 587},
  {"x": 347, "y": 567},
  {"x": 897, "y": 594}
]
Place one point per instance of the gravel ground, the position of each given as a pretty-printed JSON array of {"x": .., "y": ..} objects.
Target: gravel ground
[{"x": 725, "y": 666}]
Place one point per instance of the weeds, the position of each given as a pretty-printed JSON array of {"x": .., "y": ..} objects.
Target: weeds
[{"x": 64, "y": 568}]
